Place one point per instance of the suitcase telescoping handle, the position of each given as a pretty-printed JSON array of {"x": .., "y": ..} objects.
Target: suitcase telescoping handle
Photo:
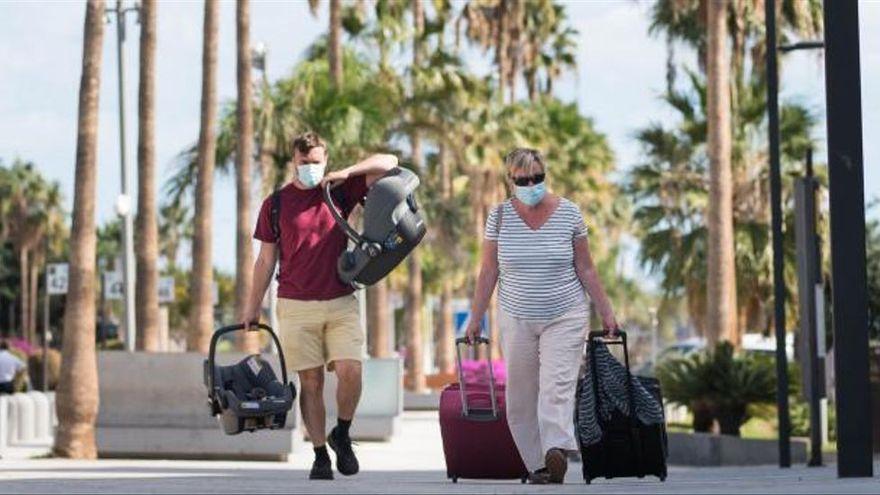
[
  {"x": 253, "y": 327},
  {"x": 466, "y": 412}
]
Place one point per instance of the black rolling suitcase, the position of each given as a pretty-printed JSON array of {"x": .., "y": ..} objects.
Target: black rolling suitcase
[{"x": 628, "y": 446}]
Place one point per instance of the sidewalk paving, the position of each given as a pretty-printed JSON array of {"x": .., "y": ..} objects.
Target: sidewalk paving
[{"x": 412, "y": 463}]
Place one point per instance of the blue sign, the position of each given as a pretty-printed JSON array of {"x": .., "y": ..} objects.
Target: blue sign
[{"x": 461, "y": 318}]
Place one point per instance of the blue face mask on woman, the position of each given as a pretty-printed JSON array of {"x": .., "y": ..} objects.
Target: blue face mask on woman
[
  {"x": 531, "y": 195},
  {"x": 310, "y": 174}
]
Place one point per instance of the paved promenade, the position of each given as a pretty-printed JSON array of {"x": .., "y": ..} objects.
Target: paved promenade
[{"x": 412, "y": 463}]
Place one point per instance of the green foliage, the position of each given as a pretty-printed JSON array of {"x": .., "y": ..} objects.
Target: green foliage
[
  {"x": 721, "y": 383},
  {"x": 872, "y": 245}
]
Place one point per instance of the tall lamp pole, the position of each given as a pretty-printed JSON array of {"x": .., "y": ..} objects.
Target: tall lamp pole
[{"x": 124, "y": 201}]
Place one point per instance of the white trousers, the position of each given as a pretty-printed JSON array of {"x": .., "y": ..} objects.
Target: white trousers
[{"x": 543, "y": 359}]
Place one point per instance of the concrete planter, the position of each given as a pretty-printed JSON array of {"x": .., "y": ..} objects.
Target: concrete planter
[
  {"x": 381, "y": 405},
  {"x": 154, "y": 405},
  {"x": 706, "y": 449}
]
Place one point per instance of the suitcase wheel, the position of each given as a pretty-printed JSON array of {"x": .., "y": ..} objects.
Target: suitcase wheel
[
  {"x": 524, "y": 479},
  {"x": 455, "y": 479},
  {"x": 588, "y": 481},
  {"x": 663, "y": 479}
]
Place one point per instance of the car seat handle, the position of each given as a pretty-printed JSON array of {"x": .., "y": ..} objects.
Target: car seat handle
[
  {"x": 342, "y": 222},
  {"x": 234, "y": 328}
]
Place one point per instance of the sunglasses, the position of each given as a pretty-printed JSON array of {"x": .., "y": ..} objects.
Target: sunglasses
[{"x": 525, "y": 181}]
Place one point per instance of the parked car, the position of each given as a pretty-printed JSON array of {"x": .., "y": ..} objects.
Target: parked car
[{"x": 752, "y": 343}]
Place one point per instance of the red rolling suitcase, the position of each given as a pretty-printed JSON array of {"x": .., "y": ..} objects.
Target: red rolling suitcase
[{"x": 476, "y": 439}]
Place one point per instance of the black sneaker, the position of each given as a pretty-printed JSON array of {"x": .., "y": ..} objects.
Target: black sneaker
[
  {"x": 346, "y": 462},
  {"x": 321, "y": 470},
  {"x": 557, "y": 464}
]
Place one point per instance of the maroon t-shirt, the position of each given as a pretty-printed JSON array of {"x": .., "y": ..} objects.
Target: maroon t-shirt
[{"x": 311, "y": 241}]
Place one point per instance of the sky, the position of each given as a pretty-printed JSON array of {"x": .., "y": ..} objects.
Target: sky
[{"x": 620, "y": 76}]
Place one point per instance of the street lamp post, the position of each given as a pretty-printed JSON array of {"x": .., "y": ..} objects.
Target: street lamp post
[{"x": 124, "y": 202}]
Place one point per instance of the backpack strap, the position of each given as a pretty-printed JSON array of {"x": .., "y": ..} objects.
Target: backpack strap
[{"x": 275, "y": 220}]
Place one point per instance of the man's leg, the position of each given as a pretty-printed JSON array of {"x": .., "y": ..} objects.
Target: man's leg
[
  {"x": 345, "y": 341},
  {"x": 311, "y": 400},
  {"x": 348, "y": 393}
]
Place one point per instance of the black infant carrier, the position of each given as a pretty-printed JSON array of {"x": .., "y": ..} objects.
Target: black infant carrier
[
  {"x": 247, "y": 396},
  {"x": 393, "y": 227}
]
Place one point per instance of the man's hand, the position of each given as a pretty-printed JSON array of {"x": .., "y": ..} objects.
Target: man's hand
[
  {"x": 251, "y": 317},
  {"x": 336, "y": 176}
]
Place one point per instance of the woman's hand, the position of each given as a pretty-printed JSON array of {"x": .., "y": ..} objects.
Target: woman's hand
[
  {"x": 610, "y": 325},
  {"x": 473, "y": 331}
]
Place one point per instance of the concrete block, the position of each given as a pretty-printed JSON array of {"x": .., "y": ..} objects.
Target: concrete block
[
  {"x": 381, "y": 405},
  {"x": 421, "y": 402},
  {"x": 24, "y": 416},
  {"x": 155, "y": 405},
  {"x": 4, "y": 422},
  {"x": 706, "y": 449},
  {"x": 43, "y": 431}
]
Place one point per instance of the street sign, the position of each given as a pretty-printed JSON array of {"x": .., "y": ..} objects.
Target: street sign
[
  {"x": 166, "y": 290},
  {"x": 56, "y": 278},
  {"x": 114, "y": 286}
]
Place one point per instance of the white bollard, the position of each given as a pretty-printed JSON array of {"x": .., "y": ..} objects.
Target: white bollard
[
  {"x": 25, "y": 417},
  {"x": 4, "y": 422},
  {"x": 14, "y": 423},
  {"x": 42, "y": 419},
  {"x": 53, "y": 414}
]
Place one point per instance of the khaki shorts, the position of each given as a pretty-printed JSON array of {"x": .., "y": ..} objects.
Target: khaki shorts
[{"x": 315, "y": 333}]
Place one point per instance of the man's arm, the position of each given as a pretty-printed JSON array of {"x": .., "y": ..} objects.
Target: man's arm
[
  {"x": 373, "y": 168},
  {"x": 264, "y": 267}
]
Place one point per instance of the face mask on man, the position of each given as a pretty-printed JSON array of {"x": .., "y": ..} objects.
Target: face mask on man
[
  {"x": 531, "y": 195},
  {"x": 310, "y": 174}
]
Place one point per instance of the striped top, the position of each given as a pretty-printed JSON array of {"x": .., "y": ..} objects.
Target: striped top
[{"x": 537, "y": 278}]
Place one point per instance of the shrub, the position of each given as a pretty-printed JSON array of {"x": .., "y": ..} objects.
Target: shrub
[
  {"x": 35, "y": 368},
  {"x": 719, "y": 385}
]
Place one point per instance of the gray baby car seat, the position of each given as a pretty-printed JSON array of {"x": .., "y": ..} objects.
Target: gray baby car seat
[
  {"x": 247, "y": 396},
  {"x": 392, "y": 228}
]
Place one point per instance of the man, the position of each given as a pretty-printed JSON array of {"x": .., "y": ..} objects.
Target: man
[
  {"x": 318, "y": 315},
  {"x": 10, "y": 367}
]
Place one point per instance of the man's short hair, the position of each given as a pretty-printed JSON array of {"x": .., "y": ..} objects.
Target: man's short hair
[{"x": 307, "y": 141}]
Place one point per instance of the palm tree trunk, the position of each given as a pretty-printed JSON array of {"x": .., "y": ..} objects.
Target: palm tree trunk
[
  {"x": 444, "y": 357},
  {"x": 77, "y": 392},
  {"x": 378, "y": 320},
  {"x": 502, "y": 44},
  {"x": 334, "y": 52},
  {"x": 24, "y": 293},
  {"x": 147, "y": 247},
  {"x": 721, "y": 279},
  {"x": 244, "y": 259},
  {"x": 32, "y": 306},
  {"x": 201, "y": 313}
]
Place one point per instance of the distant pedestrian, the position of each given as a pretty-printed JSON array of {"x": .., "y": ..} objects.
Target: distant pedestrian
[
  {"x": 10, "y": 367},
  {"x": 537, "y": 252}
]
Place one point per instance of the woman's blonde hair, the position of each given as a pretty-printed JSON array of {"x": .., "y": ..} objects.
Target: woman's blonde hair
[{"x": 524, "y": 158}]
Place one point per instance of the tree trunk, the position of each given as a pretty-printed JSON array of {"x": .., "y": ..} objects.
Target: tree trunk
[
  {"x": 33, "y": 304},
  {"x": 334, "y": 48},
  {"x": 147, "y": 247},
  {"x": 24, "y": 293},
  {"x": 721, "y": 279},
  {"x": 378, "y": 320},
  {"x": 444, "y": 356},
  {"x": 202, "y": 311},
  {"x": 244, "y": 254},
  {"x": 77, "y": 393},
  {"x": 502, "y": 44}
]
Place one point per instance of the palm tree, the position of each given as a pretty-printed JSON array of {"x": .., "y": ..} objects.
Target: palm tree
[
  {"x": 413, "y": 296},
  {"x": 77, "y": 393},
  {"x": 201, "y": 316},
  {"x": 147, "y": 247},
  {"x": 244, "y": 120},
  {"x": 721, "y": 269},
  {"x": 334, "y": 40}
]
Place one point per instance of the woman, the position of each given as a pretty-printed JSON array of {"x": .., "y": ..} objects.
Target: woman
[{"x": 536, "y": 249}]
